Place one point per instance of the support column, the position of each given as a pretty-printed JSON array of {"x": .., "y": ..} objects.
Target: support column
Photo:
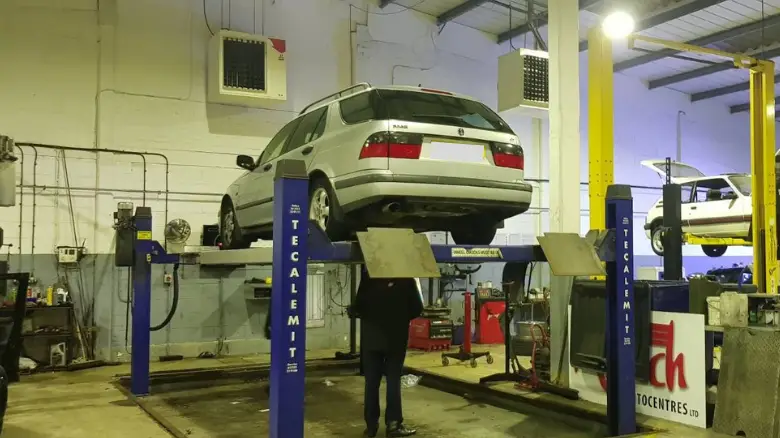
[
  {"x": 142, "y": 303},
  {"x": 288, "y": 303},
  {"x": 563, "y": 25}
]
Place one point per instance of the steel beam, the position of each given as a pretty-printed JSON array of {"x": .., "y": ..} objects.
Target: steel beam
[
  {"x": 459, "y": 10},
  {"x": 701, "y": 41},
  {"x": 539, "y": 21},
  {"x": 705, "y": 71},
  {"x": 741, "y": 108},
  {"x": 722, "y": 91}
]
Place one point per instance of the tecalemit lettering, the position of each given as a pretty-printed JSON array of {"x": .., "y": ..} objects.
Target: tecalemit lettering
[
  {"x": 627, "y": 272},
  {"x": 293, "y": 319}
]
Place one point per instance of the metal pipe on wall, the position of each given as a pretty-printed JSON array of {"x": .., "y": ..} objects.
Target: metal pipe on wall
[
  {"x": 21, "y": 203},
  {"x": 34, "y": 205},
  {"x": 143, "y": 156}
]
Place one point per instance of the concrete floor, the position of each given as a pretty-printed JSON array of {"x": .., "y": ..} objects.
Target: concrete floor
[{"x": 86, "y": 404}]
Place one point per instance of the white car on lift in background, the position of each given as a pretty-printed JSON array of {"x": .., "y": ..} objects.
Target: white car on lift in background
[{"x": 717, "y": 206}]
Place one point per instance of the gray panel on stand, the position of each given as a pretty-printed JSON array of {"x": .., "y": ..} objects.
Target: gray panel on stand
[
  {"x": 397, "y": 253},
  {"x": 749, "y": 383},
  {"x": 570, "y": 255}
]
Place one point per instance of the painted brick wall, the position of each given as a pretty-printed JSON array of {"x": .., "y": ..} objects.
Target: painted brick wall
[{"x": 131, "y": 75}]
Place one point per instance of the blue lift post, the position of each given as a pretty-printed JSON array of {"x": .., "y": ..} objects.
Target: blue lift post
[
  {"x": 296, "y": 243},
  {"x": 288, "y": 302},
  {"x": 621, "y": 353}
]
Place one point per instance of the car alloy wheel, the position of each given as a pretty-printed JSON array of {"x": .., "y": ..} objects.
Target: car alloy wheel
[
  {"x": 657, "y": 241},
  {"x": 228, "y": 227},
  {"x": 319, "y": 208}
]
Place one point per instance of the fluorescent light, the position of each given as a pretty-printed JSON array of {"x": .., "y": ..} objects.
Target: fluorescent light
[{"x": 618, "y": 25}]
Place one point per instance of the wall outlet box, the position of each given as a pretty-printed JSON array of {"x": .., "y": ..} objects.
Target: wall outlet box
[{"x": 69, "y": 255}]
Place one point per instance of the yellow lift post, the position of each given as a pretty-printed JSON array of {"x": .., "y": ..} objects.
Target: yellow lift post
[
  {"x": 762, "y": 146},
  {"x": 601, "y": 142}
]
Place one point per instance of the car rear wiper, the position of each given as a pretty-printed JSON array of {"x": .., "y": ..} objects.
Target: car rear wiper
[{"x": 439, "y": 116}]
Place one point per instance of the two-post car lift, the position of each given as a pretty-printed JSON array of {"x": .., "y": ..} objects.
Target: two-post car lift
[{"x": 296, "y": 243}]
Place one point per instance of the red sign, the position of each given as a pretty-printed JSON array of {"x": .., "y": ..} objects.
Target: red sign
[{"x": 662, "y": 335}]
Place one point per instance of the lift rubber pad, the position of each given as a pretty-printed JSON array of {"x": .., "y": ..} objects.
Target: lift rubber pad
[
  {"x": 397, "y": 253},
  {"x": 747, "y": 402},
  {"x": 570, "y": 255}
]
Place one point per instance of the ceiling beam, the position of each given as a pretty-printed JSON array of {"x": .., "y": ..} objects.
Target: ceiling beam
[
  {"x": 540, "y": 20},
  {"x": 701, "y": 41},
  {"x": 459, "y": 10},
  {"x": 741, "y": 108},
  {"x": 705, "y": 71},
  {"x": 680, "y": 10},
  {"x": 722, "y": 91}
]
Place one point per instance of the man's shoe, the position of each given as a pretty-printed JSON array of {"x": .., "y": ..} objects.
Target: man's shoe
[
  {"x": 371, "y": 432},
  {"x": 395, "y": 430}
]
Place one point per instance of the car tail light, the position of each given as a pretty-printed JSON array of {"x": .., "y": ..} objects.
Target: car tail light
[
  {"x": 508, "y": 155},
  {"x": 392, "y": 145}
]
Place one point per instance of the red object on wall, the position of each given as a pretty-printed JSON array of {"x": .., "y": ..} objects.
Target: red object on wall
[{"x": 489, "y": 325}]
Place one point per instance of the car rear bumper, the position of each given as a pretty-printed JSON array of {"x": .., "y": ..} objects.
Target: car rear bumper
[{"x": 355, "y": 192}]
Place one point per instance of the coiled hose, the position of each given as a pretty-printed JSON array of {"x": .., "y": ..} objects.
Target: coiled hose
[{"x": 174, "y": 304}]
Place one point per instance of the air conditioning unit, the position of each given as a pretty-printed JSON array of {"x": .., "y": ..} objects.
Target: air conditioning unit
[
  {"x": 524, "y": 82},
  {"x": 246, "y": 69}
]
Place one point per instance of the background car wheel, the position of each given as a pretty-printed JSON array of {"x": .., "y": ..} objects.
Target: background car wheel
[
  {"x": 230, "y": 232},
  {"x": 477, "y": 233},
  {"x": 657, "y": 239},
  {"x": 324, "y": 209},
  {"x": 714, "y": 250}
]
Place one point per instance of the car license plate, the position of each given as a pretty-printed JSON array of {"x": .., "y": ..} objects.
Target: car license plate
[{"x": 461, "y": 152}]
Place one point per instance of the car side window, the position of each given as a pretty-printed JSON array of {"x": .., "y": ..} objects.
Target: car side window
[
  {"x": 358, "y": 109},
  {"x": 687, "y": 192},
  {"x": 311, "y": 128},
  {"x": 274, "y": 147},
  {"x": 709, "y": 190}
]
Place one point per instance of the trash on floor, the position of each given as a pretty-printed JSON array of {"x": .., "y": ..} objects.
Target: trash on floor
[{"x": 410, "y": 380}]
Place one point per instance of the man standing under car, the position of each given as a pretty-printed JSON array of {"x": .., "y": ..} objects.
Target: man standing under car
[{"x": 385, "y": 308}]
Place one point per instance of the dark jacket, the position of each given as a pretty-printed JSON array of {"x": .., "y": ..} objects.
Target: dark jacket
[{"x": 385, "y": 308}]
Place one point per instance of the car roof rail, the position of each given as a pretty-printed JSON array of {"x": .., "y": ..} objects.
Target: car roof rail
[{"x": 354, "y": 89}]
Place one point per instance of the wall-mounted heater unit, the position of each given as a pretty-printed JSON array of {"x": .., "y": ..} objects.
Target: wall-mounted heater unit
[
  {"x": 246, "y": 69},
  {"x": 524, "y": 83}
]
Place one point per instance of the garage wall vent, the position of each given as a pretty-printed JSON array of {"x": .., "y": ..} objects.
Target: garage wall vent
[
  {"x": 524, "y": 82},
  {"x": 246, "y": 69}
]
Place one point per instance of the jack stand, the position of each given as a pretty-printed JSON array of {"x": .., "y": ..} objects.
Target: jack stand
[{"x": 465, "y": 353}]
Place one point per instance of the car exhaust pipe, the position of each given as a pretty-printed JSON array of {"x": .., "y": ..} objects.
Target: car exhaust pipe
[{"x": 392, "y": 207}]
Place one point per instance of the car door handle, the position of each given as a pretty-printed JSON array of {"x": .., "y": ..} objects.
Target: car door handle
[
  {"x": 268, "y": 167},
  {"x": 693, "y": 208},
  {"x": 307, "y": 150}
]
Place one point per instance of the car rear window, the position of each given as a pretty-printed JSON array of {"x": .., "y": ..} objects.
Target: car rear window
[
  {"x": 440, "y": 109},
  {"x": 421, "y": 107}
]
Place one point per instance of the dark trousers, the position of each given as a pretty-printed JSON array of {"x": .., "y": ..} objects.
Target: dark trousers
[{"x": 375, "y": 365}]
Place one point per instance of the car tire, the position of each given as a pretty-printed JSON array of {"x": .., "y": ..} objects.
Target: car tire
[
  {"x": 714, "y": 250},
  {"x": 229, "y": 231},
  {"x": 477, "y": 233},
  {"x": 324, "y": 209},
  {"x": 656, "y": 239}
]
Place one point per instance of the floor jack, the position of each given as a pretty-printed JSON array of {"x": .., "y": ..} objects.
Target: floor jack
[
  {"x": 465, "y": 353},
  {"x": 538, "y": 377}
]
